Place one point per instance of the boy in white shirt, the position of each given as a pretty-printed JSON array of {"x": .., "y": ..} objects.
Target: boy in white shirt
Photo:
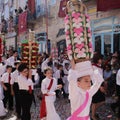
[
  {"x": 5, "y": 82},
  {"x": 15, "y": 89},
  {"x": 26, "y": 90}
]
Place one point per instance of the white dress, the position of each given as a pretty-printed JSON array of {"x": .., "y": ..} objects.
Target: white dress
[{"x": 51, "y": 112}]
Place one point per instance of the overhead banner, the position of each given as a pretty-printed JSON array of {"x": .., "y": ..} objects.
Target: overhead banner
[
  {"x": 105, "y": 5},
  {"x": 62, "y": 9},
  {"x": 22, "y": 26},
  {"x": 31, "y": 6}
]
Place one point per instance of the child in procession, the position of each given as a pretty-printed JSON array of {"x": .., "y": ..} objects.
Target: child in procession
[
  {"x": 81, "y": 91},
  {"x": 26, "y": 90},
  {"x": 5, "y": 83},
  {"x": 49, "y": 85},
  {"x": 15, "y": 89}
]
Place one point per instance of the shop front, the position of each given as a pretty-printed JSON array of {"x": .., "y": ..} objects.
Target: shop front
[{"x": 106, "y": 35}]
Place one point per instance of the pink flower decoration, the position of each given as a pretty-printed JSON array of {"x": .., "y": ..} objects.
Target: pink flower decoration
[
  {"x": 83, "y": 49},
  {"x": 67, "y": 17},
  {"x": 69, "y": 52},
  {"x": 77, "y": 21},
  {"x": 87, "y": 16},
  {"x": 88, "y": 20},
  {"x": 80, "y": 53},
  {"x": 78, "y": 36},
  {"x": 67, "y": 32},
  {"x": 79, "y": 46},
  {"x": 69, "y": 47},
  {"x": 90, "y": 35},
  {"x": 91, "y": 50},
  {"x": 90, "y": 44},
  {"x": 66, "y": 20},
  {"x": 75, "y": 15},
  {"x": 78, "y": 30},
  {"x": 67, "y": 37},
  {"x": 89, "y": 31},
  {"x": 76, "y": 50}
]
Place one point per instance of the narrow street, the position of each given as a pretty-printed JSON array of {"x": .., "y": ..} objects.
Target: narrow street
[{"x": 63, "y": 108}]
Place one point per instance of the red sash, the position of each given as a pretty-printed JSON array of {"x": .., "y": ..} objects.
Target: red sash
[{"x": 43, "y": 104}]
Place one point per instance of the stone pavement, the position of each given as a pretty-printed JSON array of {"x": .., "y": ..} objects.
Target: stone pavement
[{"x": 63, "y": 109}]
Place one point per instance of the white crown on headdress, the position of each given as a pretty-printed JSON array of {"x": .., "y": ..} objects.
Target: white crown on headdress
[{"x": 84, "y": 68}]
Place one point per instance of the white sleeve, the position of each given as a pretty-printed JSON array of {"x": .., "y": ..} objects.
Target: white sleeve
[
  {"x": 72, "y": 75},
  {"x": 44, "y": 64},
  {"x": 44, "y": 87},
  {"x": 118, "y": 78},
  {"x": 12, "y": 79},
  {"x": 3, "y": 78},
  {"x": 98, "y": 81}
]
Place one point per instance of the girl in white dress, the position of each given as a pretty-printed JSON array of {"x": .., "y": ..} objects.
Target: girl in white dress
[{"x": 49, "y": 85}]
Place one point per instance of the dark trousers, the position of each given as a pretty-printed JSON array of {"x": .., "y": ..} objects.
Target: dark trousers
[
  {"x": 26, "y": 102},
  {"x": 117, "y": 104},
  {"x": 8, "y": 97},
  {"x": 17, "y": 98}
]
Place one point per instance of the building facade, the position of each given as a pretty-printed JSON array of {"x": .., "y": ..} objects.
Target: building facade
[{"x": 48, "y": 25}]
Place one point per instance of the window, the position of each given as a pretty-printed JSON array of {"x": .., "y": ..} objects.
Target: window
[{"x": 98, "y": 44}]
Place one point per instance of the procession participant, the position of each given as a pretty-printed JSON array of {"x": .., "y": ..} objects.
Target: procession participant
[
  {"x": 55, "y": 67},
  {"x": 49, "y": 85},
  {"x": 11, "y": 60},
  {"x": 5, "y": 82},
  {"x": 2, "y": 109},
  {"x": 117, "y": 104},
  {"x": 80, "y": 89},
  {"x": 99, "y": 97},
  {"x": 65, "y": 79},
  {"x": 26, "y": 90},
  {"x": 59, "y": 74},
  {"x": 15, "y": 89},
  {"x": 45, "y": 63}
]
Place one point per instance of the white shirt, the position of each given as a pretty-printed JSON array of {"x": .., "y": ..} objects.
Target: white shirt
[
  {"x": 2, "y": 69},
  {"x": 11, "y": 61},
  {"x": 65, "y": 61},
  {"x": 57, "y": 74},
  {"x": 5, "y": 77},
  {"x": 65, "y": 71},
  {"x": 24, "y": 83},
  {"x": 44, "y": 65},
  {"x": 118, "y": 78},
  {"x": 14, "y": 77},
  {"x": 45, "y": 84},
  {"x": 77, "y": 95}
]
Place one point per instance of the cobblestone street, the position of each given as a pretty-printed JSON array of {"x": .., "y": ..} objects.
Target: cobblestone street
[{"x": 63, "y": 108}]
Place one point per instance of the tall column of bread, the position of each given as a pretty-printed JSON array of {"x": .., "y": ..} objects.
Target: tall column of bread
[{"x": 78, "y": 32}]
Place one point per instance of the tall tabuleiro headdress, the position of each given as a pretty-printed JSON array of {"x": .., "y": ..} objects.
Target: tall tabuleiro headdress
[{"x": 78, "y": 32}]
